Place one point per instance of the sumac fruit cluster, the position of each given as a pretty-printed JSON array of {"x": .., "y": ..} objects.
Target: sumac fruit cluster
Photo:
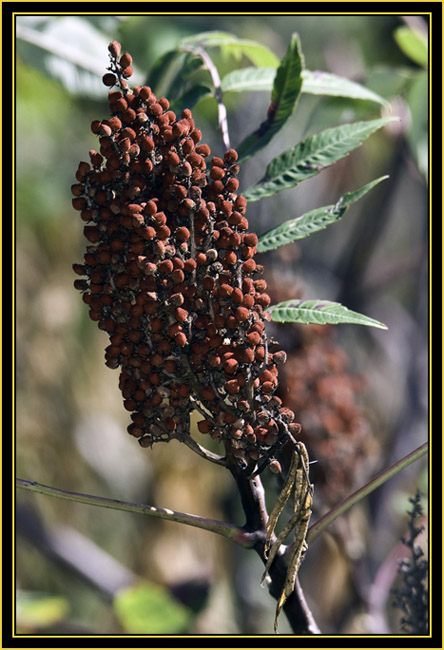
[{"x": 170, "y": 274}]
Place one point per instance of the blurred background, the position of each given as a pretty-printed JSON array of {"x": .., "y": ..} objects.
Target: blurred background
[{"x": 361, "y": 394}]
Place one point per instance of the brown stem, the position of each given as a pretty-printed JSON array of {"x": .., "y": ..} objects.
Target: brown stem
[{"x": 253, "y": 502}]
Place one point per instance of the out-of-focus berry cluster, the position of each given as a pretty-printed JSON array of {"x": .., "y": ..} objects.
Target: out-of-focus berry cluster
[
  {"x": 318, "y": 385},
  {"x": 169, "y": 273}
]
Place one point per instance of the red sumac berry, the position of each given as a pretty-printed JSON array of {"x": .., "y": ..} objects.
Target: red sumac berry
[
  {"x": 204, "y": 426},
  {"x": 242, "y": 314},
  {"x": 114, "y": 48},
  {"x": 230, "y": 156},
  {"x": 109, "y": 79},
  {"x": 232, "y": 387},
  {"x": 125, "y": 60}
]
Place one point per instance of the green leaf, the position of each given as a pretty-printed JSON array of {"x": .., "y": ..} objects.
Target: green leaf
[
  {"x": 324, "y": 83},
  {"x": 75, "y": 52},
  {"x": 314, "y": 83},
  {"x": 312, "y": 221},
  {"x": 230, "y": 44},
  {"x": 286, "y": 90},
  {"x": 190, "y": 98},
  {"x": 318, "y": 312},
  {"x": 162, "y": 68},
  {"x": 149, "y": 609},
  {"x": 311, "y": 156},
  {"x": 417, "y": 134},
  {"x": 246, "y": 79},
  {"x": 413, "y": 43},
  {"x": 181, "y": 77},
  {"x": 39, "y": 610}
]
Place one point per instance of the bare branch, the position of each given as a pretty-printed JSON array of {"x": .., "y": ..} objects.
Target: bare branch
[
  {"x": 201, "y": 451},
  {"x": 235, "y": 533}
]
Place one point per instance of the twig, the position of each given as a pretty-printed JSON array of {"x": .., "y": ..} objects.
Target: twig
[
  {"x": 253, "y": 502},
  {"x": 316, "y": 529},
  {"x": 201, "y": 451},
  {"x": 235, "y": 533}
]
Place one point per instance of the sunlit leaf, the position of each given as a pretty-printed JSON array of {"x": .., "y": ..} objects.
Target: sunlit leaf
[
  {"x": 311, "y": 156},
  {"x": 413, "y": 43},
  {"x": 230, "y": 44},
  {"x": 319, "y": 312},
  {"x": 149, "y": 609},
  {"x": 325, "y": 83},
  {"x": 250, "y": 78},
  {"x": 314, "y": 83},
  {"x": 38, "y": 610},
  {"x": 312, "y": 221}
]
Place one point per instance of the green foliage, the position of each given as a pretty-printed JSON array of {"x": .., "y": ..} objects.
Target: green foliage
[
  {"x": 312, "y": 221},
  {"x": 231, "y": 45},
  {"x": 413, "y": 43},
  {"x": 286, "y": 89},
  {"x": 319, "y": 312},
  {"x": 175, "y": 72},
  {"x": 38, "y": 610},
  {"x": 149, "y": 609},
  {"x": 313, "y": 83},
  {"x": 310, "y": 157}
]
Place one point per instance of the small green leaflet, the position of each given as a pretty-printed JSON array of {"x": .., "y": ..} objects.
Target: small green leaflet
[
  {"x": 312, "y": 221},
  {"x": 311, "y": 156},
  {"x": 319, "y": 312},
  {"x": 287, "y": 86},
  {"x": 313, "y": 83}
]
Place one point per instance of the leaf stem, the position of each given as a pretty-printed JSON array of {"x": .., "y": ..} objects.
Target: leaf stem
[
  {"x": 231, "y": 531},
  {"x": 317, "y": 528}
]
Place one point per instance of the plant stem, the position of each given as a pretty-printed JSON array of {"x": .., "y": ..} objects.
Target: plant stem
[
  {"x": 253, "y": 502},
  {"x": 221, "y": 110},
  {"x": 316, "y": 529},
  {"x": 235, "y": 533}
]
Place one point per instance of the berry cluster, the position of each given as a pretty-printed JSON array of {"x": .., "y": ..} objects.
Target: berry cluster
[
  {"x": 169, "y": 273},
  {"x": 320, "y": 387}
]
